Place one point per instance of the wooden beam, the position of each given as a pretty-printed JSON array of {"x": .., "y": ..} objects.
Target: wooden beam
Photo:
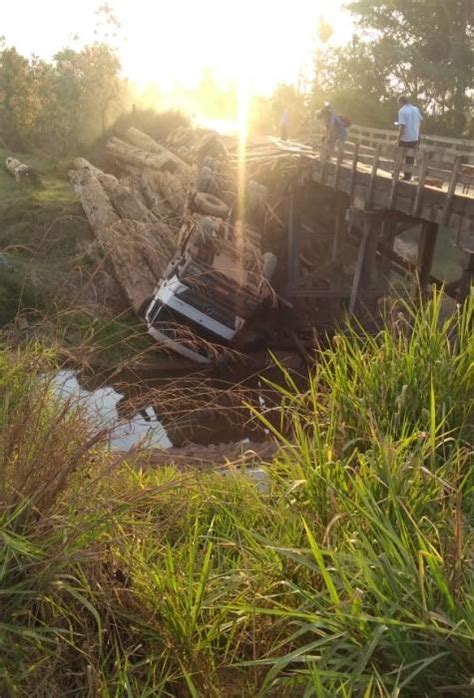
[
  {"x": 339, "y": 225},
  {"x": 354, "y": 172},
  {"x": 293, "y": 239},
  {"x": 340, "y": 153},
  {"x": 396, "y": 178},
  {"x": 426, "y": 249},
  {"x": 373, "y": 177},
  {"x": 466, "y": 280},
  {"x": 451, "y": 190},
  {"x": 358, "y": 267},
  {"x": 325, "y": 158},
  {"x": 370, "y": 262}
]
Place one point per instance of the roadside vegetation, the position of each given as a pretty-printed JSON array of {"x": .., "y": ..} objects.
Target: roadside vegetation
[{"x": 345, "y": 574}]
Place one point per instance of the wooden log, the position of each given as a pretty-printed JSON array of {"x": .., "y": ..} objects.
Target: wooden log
[
  {"x": 139, "y": 250},
  {"x": 145, "y": 142},
  {"x": 95, "y": 202},
  {"x": 138, "y": 156},
  {"x": 83, "y": 164},
  {"x": 172, "y": 188},
  {"x": 21, "y": 171},
  {"x": 170, "y": 185},
  {"x": 128, "y": 206}
]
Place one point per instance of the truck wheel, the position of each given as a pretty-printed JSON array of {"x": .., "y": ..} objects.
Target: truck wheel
[{"x": 211, "y": 205}]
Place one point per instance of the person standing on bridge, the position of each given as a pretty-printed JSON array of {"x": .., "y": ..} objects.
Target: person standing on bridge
[
  {"x": 336, "y": 125},
  {"x": 409, "y": 123}
]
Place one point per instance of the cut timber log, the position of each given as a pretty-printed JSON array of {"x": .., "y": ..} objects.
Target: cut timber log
[
  {"x": 135, "y": 156},
  {"x": 21, "y": 172},
  {"x": 128, "y": 206},
  {"x": 139, "y": 250},
  {"x": 145, "y": 142},
  {"x": 95, "y": 202},
  {"x": 171, "y": 186},
  {"x": 83, "y": 164},
  {"x": 139, "y": 253}
]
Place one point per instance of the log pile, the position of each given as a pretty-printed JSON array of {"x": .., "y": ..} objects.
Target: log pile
[{"x": 138, "y": 244}]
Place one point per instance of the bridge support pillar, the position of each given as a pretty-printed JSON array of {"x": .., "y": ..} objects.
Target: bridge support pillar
[
  {"x": 426, "y": 249},
  {"x": 339, "y": 225},
  {"x": 294, "y": 226},
  {"x": 467, "y": 280}
]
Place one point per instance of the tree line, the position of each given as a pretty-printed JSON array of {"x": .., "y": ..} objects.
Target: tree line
[
  {"x": 423, "y": 48},
  {"x": 58, "y": 105},
  {"x": 420, "y": 48}
]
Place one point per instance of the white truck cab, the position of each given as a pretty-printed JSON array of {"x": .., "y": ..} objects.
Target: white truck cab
[{"x": 211, "y": 287}]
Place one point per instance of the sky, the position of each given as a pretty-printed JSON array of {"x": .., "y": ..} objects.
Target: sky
[{"x": 262, "y": 42}]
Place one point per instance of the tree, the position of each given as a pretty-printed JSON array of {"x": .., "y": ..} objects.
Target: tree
[
  {"x": 16, "y": 97},
  {"x": 423, "y": 48}
]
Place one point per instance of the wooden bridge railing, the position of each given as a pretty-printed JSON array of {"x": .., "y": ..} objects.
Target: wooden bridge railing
[
  {"x": 444, "y": 149},
  {"x": 387, "y": 158}
]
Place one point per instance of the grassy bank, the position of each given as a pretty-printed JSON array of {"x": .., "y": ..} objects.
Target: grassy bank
[{"x": 348, "y": 575}]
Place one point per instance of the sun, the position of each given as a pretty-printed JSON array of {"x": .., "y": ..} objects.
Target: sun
[{"x": 270, "y": 42}]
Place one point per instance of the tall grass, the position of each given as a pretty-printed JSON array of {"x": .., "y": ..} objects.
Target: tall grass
[{"x": 347, "y": 575}]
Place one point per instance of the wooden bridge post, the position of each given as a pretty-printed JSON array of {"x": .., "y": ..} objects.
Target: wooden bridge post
[
  {"x": 466, "y": 280},
  {"x": 339, "y": 224},
  {"x": 426, "y": 249},
  {"x": 294, "y": 224},
  {"x": 388, "y": 235},
  {"x": 365, "y": 268}
]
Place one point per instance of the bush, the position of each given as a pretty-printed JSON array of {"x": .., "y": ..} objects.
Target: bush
[{"x": 346, "y": 575}]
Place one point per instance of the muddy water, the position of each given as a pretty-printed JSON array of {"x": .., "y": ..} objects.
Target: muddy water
[
  {"x": 155, "y": 407},
  {"x": 142, "y": 429}
]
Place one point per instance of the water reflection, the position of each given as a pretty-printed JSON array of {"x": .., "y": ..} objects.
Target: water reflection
[{"x": 104, "y": 405}]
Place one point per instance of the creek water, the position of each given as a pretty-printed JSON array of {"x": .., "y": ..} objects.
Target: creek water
[{"x": 101, "y": 406}]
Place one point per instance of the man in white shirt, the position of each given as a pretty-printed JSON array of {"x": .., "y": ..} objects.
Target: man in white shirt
[{"x": 409, "y": 122}]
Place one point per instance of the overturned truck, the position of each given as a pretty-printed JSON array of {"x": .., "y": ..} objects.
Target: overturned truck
[
  {"x": 213, "y": 285},
  {"x": 220, "y": 249}
]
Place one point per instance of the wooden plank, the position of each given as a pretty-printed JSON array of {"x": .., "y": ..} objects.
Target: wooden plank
[{"x": 451, "y": 190}]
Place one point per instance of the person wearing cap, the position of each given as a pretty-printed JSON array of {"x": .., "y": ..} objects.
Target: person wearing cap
[
  {"x": 409, "y": 123},
  {"x": 336, "y": 129}
]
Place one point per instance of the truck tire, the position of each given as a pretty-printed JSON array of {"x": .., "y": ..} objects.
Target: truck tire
[{"x": 211, "y": 205}]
